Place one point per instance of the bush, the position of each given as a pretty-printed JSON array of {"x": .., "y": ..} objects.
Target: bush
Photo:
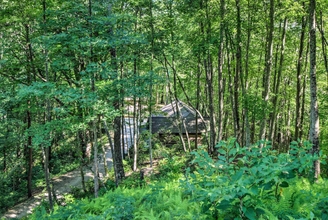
[{"x": 246, "y": 182}]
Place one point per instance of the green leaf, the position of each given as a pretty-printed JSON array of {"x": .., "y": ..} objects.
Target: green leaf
[
  {"x": 250, "y": 213},
  {"x": 222, "y": 152},
  {"x": 268, "y": 185},
  {"x": 284, "y": 184},
  {"x": 237, "y": 176},
  {"x": 224, "y": 205}
]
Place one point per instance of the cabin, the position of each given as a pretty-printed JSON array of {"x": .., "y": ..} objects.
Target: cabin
[{"x": 175, "y": 117}]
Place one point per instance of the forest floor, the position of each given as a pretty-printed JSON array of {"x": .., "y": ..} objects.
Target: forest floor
[{"x": 62, "y": 184}]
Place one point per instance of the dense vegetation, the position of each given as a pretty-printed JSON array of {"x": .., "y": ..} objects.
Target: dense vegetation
[
  {"x": 237, "y": 184},
  {"x": 71, "y": 71}
]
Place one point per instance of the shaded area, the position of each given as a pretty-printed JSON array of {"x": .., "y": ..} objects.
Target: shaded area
[{"x": 62, "y": 184}]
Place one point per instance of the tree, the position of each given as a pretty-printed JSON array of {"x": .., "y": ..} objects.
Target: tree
[
  {"x": 267, "y": 70},
  {"x": 314, "y": 114}
]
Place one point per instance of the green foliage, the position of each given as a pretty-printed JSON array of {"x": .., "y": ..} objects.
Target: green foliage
[
  {"x": 240, "y": 183},
  {"x": 49, "y": 58},
  {"x": 252, "y": 182},
  {"x": 160, "y": 201},
  {"x": 171, "y": 167}
]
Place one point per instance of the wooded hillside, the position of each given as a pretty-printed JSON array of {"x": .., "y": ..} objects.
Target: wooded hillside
[{"x": 257, "y": 69}]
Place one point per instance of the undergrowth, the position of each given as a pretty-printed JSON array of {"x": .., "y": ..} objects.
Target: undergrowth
[
  {"x": 256, "y": 183},
  {"x": 238, "y": 183}
]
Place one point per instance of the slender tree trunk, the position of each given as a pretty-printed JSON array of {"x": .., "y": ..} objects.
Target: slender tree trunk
[
  {"x": 95, "y": 158},
  {"x": 4, "y": 152},
  {"x": 118, "y": 149},
  {"x": 240, "y": 76},
  {"x": 324, "y": 45},
  {"x": 80, "y": 145},
  {"x": 123, "y": 124},
  {"x": 135, "y": 110},
  {"x": 199, "y": 73},
  {"x": 29, "y": 156},
  {"x": 253, "y": 117},
  {"x": 135, "y": 134},
  {"x": 178, "y": 119},
  {"x": 197, "y": 116},
  {"x": 288, "y": 125},
  {"x": 231, "y": 95},
  {"x": 46, "y": 149},
  {"x": 314, "y": 115},
  {"x": 117, "y": 153},
  {"x": 103, "y": 148},
  {"x": 29, "y": 151},
  {"x": 245, "y": 84},
  {"x": 112, "y": 149},
  {"x": 303, "y": 92},
  {"x": 208, "y": 65},
  {"x": 299, "y": 82},
  {"x": 220, "y": 72},
  {"x": 267, "y": 71},
  {"x": 151, "y": 84},
  {"x": 94, "y": 123},
  {"x": 47, "y": 176},
  {"x": 276, "y": 86}
]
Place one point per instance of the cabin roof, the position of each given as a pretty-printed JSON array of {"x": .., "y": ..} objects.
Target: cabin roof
[
  {"x": 166, "y": 120},
  {"x": 170, "y": 110}
]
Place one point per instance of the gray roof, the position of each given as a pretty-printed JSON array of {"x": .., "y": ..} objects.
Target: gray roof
[{"x": 166, "y": 121}]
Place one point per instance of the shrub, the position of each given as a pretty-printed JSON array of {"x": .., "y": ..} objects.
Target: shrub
[{"x": 245, "y": 182}]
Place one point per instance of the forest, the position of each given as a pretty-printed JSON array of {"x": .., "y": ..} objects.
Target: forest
[{"x": 257, "y": 71}]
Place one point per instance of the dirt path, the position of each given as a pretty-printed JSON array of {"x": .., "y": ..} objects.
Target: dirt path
[{"x": 62, "y": 185}]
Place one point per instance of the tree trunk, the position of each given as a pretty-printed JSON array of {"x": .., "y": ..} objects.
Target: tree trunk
[
  {"x": 94, "y": 123},
  {"x": 231, "y": 95},
  {"x": 95, "y": 158},
  {"x": 47, "y": 176},
  {"x": 117, "y": 155},
  {"x": 276, "y": 86},
  {"x": 299, "y": 82},
  {"x": 314, "y": 115},
  {"x": 324, "y": 44},
  {"x": 199, "y": 73},
  {"x": 29, "y": 156},
  {"x": 46, "y": 149},
  {"x": 245, "y": 84},
  {"x": 4, "y": 152},
  {"x": 112, "y": 150},
  {"x": 103, "y": 148},
  {"x": 220, "y": 72},
  {"x": 135, "y": 115},
  {"x": 151, "y": 84},
  {"x": 208, "y": 64},
  {"x": 240, "y": 76},
  {"x": 29, "y": 151},
  {"x": 267, "y": 71},
  {"x": 81, "y": 146}
]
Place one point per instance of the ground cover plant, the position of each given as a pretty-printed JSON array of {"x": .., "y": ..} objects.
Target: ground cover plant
[
  {"x": 257, "y": 183},
  {"x": 237, "y": 183}
]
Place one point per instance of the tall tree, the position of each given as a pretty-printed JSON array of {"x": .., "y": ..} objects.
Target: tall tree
[
  {"x": 267, "y": 70},
  {"x": 206, "y": 29},
  {"x": 28, "y": 146},
  {"x": 314, "y": 113},
  {"x": 299, "y": 81},
  {"x": 277, "y": 82},
  {"x": 239, "y": 76},
  {"x": 220, "y": 70},
  {"x": 120, "y": 174},
  {"x": 46, "y": 149}
]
